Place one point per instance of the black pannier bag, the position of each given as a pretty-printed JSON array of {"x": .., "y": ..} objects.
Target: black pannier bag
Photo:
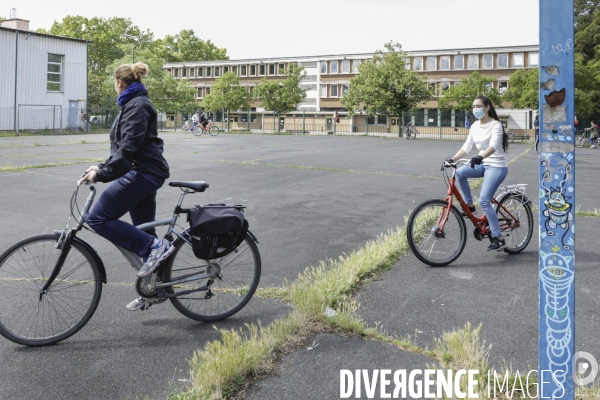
[{"x": 216, "y": 229}]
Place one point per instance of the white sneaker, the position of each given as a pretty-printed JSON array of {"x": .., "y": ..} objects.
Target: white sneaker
[
  {"x": 592, "y": 146},
  {"x": 142, "y": 303}
]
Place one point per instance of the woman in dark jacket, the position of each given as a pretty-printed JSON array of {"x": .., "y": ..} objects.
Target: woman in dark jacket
[{"x": 136, "y": 169}]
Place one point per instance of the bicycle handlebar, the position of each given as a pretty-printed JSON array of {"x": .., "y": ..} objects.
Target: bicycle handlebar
[{"x": 456, "y": 163}]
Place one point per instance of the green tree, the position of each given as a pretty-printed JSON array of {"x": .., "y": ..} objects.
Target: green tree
[
  {"x": 385, "y": 86},
  {"x": 461, "y": 96},
  {"x": 186, "y": 46},
  {"x": 281, "y": 96},
  {"x": 523, "y": 89},
  {"x": 106, "y": 37},
  {"x": 166, "y": 92},
  {"x": 227, "y": 94}
]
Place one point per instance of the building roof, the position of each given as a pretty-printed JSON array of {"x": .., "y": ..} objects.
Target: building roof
[
  {"x": 3, "y": 28},
  {"x": 466, "y": 50}
]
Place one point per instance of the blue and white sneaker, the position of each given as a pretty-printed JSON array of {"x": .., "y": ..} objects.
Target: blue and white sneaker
[{"x": 157, "y": 255}]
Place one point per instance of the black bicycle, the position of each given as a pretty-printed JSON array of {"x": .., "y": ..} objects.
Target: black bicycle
[{"x": 52, "y": 283}]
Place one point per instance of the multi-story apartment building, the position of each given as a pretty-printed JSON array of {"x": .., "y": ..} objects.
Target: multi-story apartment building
[{"x": 328, "y": 79}]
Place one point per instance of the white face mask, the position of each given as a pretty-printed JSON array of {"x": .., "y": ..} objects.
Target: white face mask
[{"x": 478, "y": 113}]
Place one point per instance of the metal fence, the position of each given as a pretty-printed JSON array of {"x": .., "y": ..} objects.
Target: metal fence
[{"x": 40, "y": 120}]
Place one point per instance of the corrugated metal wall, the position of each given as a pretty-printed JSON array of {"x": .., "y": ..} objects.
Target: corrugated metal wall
[{"x": 32, "y": 78}]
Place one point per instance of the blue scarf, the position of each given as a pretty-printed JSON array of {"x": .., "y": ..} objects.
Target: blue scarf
[{"x": 129, "y": 91}]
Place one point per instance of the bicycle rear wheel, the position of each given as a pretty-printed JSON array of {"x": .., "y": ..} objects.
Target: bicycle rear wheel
[
  {"x": 228, "y": 294},
  {"x": 31, "y": 319},
  {"x": 427, "y": 244},
  {"x": 516, "y": 235},
  {"x": 214, "y": 131}
]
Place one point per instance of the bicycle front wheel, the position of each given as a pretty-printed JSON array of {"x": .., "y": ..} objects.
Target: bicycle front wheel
[
  {"x": 226, "y": 294},
  {"x": 214, "y": 131},
  {"x": 580, "y": 142},
  {"x": 32, "y": 319},
  {"x": 516, "y": 222},
  {"x": 427, "y": 243}
]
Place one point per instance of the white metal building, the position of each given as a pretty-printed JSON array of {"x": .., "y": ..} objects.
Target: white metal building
[{"x": 43, "y": 79}]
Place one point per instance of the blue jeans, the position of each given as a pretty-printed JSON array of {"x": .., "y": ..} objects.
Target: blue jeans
[
  {"x": 492, "y": 178},
  {"x": 135, "y": 193}
]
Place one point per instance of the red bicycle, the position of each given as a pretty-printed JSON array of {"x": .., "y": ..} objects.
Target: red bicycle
[{"x": 437, "y": 232}]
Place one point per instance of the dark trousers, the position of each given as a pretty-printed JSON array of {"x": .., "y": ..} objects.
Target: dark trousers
[{"x": 135, "y": 193}]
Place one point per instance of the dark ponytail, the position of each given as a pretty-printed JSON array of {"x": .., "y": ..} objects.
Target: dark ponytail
[{"x": 492, "y": 113}]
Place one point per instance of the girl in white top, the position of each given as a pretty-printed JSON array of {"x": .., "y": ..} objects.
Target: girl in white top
[{"x": 489, "y": 137}]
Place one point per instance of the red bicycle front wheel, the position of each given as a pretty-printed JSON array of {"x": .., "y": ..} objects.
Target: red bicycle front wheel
[{"x": 430, "y": 244}]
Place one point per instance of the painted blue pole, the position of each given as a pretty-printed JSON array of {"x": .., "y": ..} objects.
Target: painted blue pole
[{"x": 557, "y": 200}]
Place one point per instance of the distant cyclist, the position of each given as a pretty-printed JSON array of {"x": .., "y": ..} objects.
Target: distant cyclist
[
  {"x": 195, "y": 119},
  {"x": 594, "y": 127},
  {"x": 203, "y": 120}
]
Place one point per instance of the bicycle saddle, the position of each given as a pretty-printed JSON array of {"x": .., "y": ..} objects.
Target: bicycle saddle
[{"x": 198, "y": 186}]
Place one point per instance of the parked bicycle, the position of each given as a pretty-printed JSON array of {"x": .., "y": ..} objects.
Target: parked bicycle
[
  {"x": 437, "y": 232},
  {"x": 52, "y": 283},
  {"x": 199, "y": 129},
  {"x": 583, "y": 141}
]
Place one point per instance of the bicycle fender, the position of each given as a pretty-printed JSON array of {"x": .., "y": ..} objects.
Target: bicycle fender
[
  {"x": 252, "y": 236},
  {"x": 93, "y": 252}
]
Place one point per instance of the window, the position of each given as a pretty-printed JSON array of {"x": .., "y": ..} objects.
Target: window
[
  {"x": 488, "y": 61},
  {"x": 334, "y": 90},
  {"x": 333, "y": 67},
  {"x": 261, "y": 69},
  {"x": 473, "y": 61},
  {"x": 199, "y": 92},
  {"x": 346, "y": 67},
  {"x": 517, "y": 60},
  {"x": 323, "y": 67},
  {"x": 281, "y": 69},
  {"x": 217, "y": 71},
  {"x": 418, "y": 63},
  {"x": 502, "y": 60},
  {"x": 444, "y": 86},
  {"x": 207, "y": 91},
  {"x": 355, "y": 65},
  {"x": 253, "y": 70},
  {"x": 192, "y": 72},
  {"x": 55, "y": 64},
  {"x": 459, "y": 62},
  {"x": 271, "y": 69},
  {"x": 176, "y": 73},
  {"x": 200, "y": 72},
  {"x": 502, "y": 86},
  {"x": 323, "y": 90},
  {"x": 208, "y": 72},
  {"x": 534, "y": 59},
  {"x": 445, "y": 62},
  {"x": 243, "y": 70},
  {"x": 234, "y": 69},
  {"x": 431, "y": 63},
  {"x": 345, "y": 89},
  {"x": 183, "y": 72},
  {"x": 376, "y": 120}
]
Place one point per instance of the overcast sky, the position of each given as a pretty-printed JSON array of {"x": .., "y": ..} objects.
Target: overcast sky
[{"x": 276, "y": 28}]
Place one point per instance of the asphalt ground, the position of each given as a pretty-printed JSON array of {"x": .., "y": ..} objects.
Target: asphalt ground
[{"x": 309, "y": 198}]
